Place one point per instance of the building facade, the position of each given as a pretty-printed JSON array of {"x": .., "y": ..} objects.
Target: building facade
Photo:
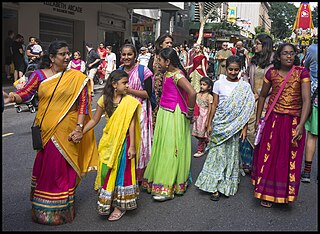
[
  {"x": 241, "y": 19},
  {"x": 76, "y": 22}
]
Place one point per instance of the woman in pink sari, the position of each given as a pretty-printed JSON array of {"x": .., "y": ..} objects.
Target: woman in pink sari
[
  {"x": 142, "y": 92},
  {"x": 199, "y": 68}
]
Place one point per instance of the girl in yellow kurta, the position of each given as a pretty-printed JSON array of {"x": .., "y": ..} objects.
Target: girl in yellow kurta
[{"x": 118, "y": 147}]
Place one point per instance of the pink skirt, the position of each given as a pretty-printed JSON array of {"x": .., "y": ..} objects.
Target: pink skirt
[
  {"x": 277, "y": 160},
  {"x": 53, "y": 187}
]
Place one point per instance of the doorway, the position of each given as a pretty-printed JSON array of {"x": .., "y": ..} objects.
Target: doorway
[{"x": 116, "y": 40}]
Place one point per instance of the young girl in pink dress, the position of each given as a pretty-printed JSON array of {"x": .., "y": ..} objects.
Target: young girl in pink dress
[
  {"x": 77, "y": 63},
  {"x": 204, "y": 101}
]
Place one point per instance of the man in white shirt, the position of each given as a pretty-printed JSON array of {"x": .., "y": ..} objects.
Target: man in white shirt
[
  {"x": 144, "y": 56},
  {"x": 111, "y": 60}
]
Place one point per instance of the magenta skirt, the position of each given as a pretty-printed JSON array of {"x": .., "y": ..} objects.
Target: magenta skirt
[
  {"x": 277, "y": 160},
  {"x": 52, "y": 188}
]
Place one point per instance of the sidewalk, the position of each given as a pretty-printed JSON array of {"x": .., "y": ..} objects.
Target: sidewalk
[{"x": 8, "y": 87}]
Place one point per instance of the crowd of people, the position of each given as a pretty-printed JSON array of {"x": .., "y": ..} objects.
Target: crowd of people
[{"x": 219, "y": 97}]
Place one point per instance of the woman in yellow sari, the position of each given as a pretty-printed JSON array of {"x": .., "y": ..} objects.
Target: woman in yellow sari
[
  {"x": 59, "y": 167},
  {"x": 118, "y": 148}
]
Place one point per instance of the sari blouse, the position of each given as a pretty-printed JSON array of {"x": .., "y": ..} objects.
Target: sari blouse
[{"x": 290, "y": 100}]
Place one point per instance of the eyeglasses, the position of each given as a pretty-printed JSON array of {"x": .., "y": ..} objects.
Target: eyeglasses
[
  {"x": 224, "y": 45},
  {"x": 285, "y": 53},
  {"x": 63, "y": 54},
  {"x": 233, "y": 69}
]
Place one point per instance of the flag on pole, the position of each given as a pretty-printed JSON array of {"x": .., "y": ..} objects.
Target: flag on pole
[{"x": 304, "y": 17}]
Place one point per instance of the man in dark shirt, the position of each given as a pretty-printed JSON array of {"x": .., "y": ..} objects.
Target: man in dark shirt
[
  {"x": 8, "y": 53},
  {"x": 92, "y": 64},
  {"x": 18, "y": 57}
]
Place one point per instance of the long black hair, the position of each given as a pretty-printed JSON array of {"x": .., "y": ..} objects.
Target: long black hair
[
  {"x": 54, "y": 46},
  {"x": 108, "y": 90},
  {"x": 276, "y": 60},
  {"x": 170, "y": 53},
  {"x": 263, "y": 59}
]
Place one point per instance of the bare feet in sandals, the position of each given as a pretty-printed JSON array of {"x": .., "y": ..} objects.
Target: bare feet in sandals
[
  {"x": 266, "y": 204},
  {"x": 116, "y": 214}
]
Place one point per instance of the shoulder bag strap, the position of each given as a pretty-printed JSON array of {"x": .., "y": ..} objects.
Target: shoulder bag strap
[
  {"x": 49, "y": 100},
  {"x": 278, "y": 94}
]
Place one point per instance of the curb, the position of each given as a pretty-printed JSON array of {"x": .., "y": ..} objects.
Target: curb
[{"x": 11, "y": 105}]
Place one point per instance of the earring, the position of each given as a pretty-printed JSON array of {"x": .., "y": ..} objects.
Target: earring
[{"x": 167, "y": 66}]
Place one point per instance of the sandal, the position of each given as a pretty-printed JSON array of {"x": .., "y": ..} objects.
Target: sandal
[
  {"x": 266, "y": 204},
  {"x": 116, "y": 216},
  {"x": 215, "y": 196}
]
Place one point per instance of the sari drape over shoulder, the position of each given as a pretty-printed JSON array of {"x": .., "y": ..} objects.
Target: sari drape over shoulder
[
  {"x": 82, "y": 157},
  {"x": 232, "y": 114},
  {"x": 59, "y": 167},
  {"x": 116, "y": 130}
]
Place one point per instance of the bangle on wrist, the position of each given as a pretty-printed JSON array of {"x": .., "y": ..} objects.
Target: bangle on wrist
[{"x": 190, "y": 109}]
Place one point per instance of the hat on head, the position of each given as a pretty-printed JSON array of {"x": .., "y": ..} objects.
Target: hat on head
[{"x": 143, "y": 48}]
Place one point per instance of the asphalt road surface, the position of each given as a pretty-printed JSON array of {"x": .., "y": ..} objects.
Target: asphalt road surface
[{"x": 193, "y": 211}]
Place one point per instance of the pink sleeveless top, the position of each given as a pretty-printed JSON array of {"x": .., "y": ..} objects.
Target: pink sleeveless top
[{"x": 170, "y": 97}]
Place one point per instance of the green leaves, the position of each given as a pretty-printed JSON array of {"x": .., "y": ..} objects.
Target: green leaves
[{"x": 283, "y": 15}]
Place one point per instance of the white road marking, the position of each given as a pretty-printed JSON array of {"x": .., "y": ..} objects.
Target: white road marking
[{"x": 7, "y": 134}]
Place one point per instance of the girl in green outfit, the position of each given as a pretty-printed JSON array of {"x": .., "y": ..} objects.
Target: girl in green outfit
[{"x": 168, "y": 170}]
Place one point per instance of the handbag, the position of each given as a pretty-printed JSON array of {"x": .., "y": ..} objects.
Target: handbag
[
  {"x": 36, "y": 129},
  {"x": 262, "y": 121}
]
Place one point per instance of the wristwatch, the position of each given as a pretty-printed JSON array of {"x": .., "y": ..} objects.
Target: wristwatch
[{"x": 80, "y": 125}]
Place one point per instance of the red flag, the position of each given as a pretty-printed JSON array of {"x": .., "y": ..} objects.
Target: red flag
[{"x": 304, "y": 17}]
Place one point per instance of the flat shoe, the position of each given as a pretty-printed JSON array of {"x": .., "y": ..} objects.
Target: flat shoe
[
  {"x": 215, "y": 196},
  {"x": 266, "y": 204},
  {"x": 115, "y": 217},
  {"x": 198, "y": 154},
  {"x": 161, "y": 198}
]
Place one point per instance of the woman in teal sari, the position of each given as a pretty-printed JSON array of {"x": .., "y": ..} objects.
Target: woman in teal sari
[{"x": 233, "y": 104}]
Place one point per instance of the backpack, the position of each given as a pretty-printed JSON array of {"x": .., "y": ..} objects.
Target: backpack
[{"x": 153, "y": 99}]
